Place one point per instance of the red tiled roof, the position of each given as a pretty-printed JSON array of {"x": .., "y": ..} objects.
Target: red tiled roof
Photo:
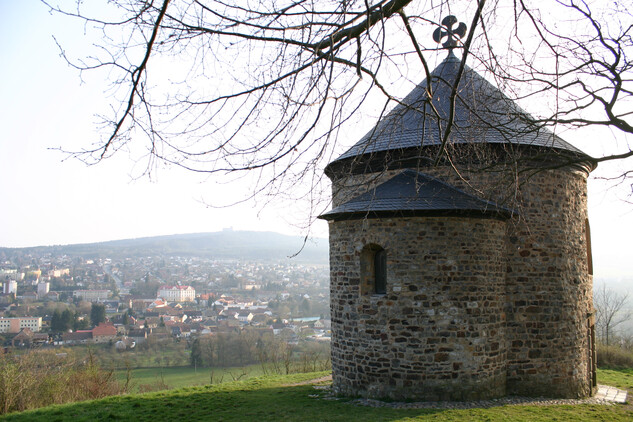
[
  {"x": 24, "y": 333},
  {"x": 104, "y": 329}
]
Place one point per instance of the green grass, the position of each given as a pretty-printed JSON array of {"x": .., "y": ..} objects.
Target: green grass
[
  {"x": 179, "y": 377},
  {"x": 273, "y": 399},
  {"x": 621, "y": 378}
]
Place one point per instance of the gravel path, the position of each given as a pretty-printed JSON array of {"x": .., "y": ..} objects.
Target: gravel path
[
  {"x": 599, "y": 398},
  {"x": 482, "y": 404}
]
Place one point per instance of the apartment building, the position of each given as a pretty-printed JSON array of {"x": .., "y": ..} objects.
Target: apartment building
[{"x": 14, "y": 325}]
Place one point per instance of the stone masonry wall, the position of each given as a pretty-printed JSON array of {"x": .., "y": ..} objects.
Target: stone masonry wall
[
  {"x": 546, "y": 285},
  {"x": 439, "y": 332},
  {"x": 549, "y": 289}
]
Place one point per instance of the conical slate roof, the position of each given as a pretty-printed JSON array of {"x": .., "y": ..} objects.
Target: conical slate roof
[
  {"x": 411, "y": 193},
  {"x": 483, "y": 114}
]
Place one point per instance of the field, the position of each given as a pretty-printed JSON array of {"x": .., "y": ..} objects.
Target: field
[
  {"x": 621, "y": 378},
  {"x": 153, "y": 353},
  {"x": 284, "y": 398},
  {"x": 179, "y": 377}
]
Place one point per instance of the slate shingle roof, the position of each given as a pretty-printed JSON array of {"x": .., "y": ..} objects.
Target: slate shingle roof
[
  {"x": 483, "y": 114},
  {"x": 411, "y": 193}
]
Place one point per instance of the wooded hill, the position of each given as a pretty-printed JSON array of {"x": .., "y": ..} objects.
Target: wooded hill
[{"x": 227, "y": 244}]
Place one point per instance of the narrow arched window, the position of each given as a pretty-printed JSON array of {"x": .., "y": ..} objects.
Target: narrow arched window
[
  {"x": 373, "y": 270},
  {"x": 380, "y": 270}
]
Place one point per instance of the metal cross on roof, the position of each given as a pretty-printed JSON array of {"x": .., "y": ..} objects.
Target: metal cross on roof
[{"x": 449, "y": 32}]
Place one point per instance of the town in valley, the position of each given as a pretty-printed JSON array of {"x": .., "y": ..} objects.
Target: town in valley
[{"x": 54, "y": 297}]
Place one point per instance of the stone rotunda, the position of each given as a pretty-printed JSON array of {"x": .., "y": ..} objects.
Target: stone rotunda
[{"x": 464, "y": 275}]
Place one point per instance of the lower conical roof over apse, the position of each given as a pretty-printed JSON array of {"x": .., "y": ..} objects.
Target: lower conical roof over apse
[{"x": 410, "y": 194}]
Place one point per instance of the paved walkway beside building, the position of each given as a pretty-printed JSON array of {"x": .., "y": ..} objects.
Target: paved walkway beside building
[
  {"x": 606, "y": 392},
  {"x": 606, "y": 395}
]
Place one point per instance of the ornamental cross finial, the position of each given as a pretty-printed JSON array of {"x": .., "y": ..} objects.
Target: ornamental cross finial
[{"x": 448, "y": 31}]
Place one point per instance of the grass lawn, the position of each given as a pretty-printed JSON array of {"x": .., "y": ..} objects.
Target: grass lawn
[
  {"x": 178, "y": 377},
  {"x": 276, "y": 399},
  {"x": 621, "y": 378}
]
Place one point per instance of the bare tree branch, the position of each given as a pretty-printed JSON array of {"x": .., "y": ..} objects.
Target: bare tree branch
[
  {"x": 610, "y": 312},
  {"x": 219, "y": 86}
]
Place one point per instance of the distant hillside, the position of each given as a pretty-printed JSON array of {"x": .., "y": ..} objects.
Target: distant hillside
[{"x": 228, "y": 244}]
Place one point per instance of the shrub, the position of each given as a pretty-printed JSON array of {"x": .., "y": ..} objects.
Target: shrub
[
  {"x": 159, "y": 385},
  {"x": 615, "y": 357},
  {"x": 41, "y": 378}
]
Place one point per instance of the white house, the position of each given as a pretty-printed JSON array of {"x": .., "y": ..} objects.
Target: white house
[{"x": 177, "y": 293}]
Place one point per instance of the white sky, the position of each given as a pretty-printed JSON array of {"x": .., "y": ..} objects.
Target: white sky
[{"x": 45, "y": 200}]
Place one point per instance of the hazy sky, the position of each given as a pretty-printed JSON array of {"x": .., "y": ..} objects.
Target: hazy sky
[{"x": 46, "y": 200}]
